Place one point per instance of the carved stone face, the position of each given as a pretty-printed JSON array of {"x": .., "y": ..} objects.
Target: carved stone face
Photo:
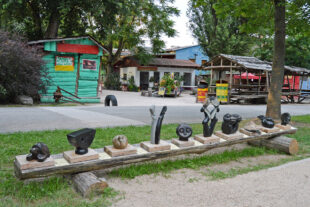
[
  {"x": 230, "y": 123},
  {"x": 184, "y": 131},
  {"x": 285, "y": 118}
]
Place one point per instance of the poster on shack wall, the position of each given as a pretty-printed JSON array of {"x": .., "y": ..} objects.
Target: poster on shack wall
[{"x": 64, "y": 63}]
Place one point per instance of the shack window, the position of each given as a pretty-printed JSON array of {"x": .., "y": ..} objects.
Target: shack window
[{"x": 89, "y": 64}]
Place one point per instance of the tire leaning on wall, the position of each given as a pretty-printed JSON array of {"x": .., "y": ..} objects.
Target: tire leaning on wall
[{"x": 110, "y": 98}]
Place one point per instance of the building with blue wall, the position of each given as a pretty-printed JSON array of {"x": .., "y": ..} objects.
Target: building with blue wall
[{"x": 194, "y": 52}]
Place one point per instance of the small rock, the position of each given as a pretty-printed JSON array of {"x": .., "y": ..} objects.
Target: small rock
[{"x": 26, "y": 100}]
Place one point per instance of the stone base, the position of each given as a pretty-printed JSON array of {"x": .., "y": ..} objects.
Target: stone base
[
  {"x": 181, "y": 144},
  {"x": 236, "y": 135},
  {"x": 71, "y": 157},
  {"x": 284, "y": 127},
  {"x": 246, "y": 132},
  {"x": 269, "y": 130},
  {"x": 163, "y": 145},
  {"x": 113, "y": 152},
  {"x": 207, "y": 140},
  {"x": 24, "y": 164}
]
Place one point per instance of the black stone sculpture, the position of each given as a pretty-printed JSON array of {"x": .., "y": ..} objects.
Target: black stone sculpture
[
  {"x": 39, "y": 152},
  {"x": 230, "y": 123},
  {"x": 158, "y": 124},
  {"x": 285, "y": 118},
  {"x": 210, "y": 114},
  {"x": 184, "y": 132},
  {"x": 266, "y": 121},
  {"x": 81, "y": 139}
]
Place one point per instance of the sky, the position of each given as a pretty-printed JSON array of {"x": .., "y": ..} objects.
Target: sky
[{"x": 183, "y": 36}]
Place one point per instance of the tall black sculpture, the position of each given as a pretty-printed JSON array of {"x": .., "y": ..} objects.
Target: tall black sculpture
[
  {"x": 230, "y": 123},
  {"x": 210, "y": 114},
  {"x": 156, "y": 124},
  {"x": 285, "y": 118}
]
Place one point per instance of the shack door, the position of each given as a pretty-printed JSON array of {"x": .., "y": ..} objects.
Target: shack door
[{"x": 88, "y": 75}]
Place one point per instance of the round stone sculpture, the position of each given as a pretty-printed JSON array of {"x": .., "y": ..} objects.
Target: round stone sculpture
[
  {"x": 230, "y": 123},
  {"x": 120, "y": 142},
  {"x": 266, "y": 121},
  {"x": 184, "y": 132},
  {"x": 39, "y": 152},
  {"x": 285, "y": 118}
]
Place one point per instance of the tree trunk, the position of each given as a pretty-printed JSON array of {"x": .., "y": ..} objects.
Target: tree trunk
[
  {"x": 275, "y": 90},
  {"x": 54, "y": 21},
  {"x": 36, "y": 19},
  {"x": 281, "y": 143}
]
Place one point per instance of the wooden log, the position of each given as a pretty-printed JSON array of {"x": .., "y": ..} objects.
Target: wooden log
[
  {"x": 91, "y": 165},
  {"x": 281, "y": 143},
  {"x": 87, "y": 183}
]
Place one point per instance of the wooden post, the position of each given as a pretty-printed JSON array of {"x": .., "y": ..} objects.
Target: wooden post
[
  {"x": 230, "y": 82},
  {"x": 267, "y": 80},
  {"x": 259, "y": 79},
  {"x": 281, "y": 143},
  {"x": 77, "y": 76},
  {"x": 86, "y": 183},
  {"x": 247, "y": 77}
]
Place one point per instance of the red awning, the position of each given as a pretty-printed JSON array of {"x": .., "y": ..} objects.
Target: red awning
[{"x": 243, "y": 76}]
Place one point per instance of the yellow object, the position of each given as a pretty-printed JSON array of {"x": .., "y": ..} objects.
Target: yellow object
[
  {"x": 64, "y": 68},
  {"x": 222, "y": 92},
  {"x": 201, "y": 94},
  {"x": 161, "y": 91}
]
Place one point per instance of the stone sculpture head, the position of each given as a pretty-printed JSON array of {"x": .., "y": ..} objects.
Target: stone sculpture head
[
  {"x": 230, "y": 123},
  {"x": 285, "y": 118},
  {"x": 184, "y": 132},
  {"x": 39, "y": 152}
]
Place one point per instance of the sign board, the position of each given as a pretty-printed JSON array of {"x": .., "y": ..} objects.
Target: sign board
[
  {"x": 64, "y": 63},
  {"x": 89, "y": 64},
  {"x": 161, "y": 91}
]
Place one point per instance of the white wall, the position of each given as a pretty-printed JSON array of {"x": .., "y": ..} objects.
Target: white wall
[
  {"x": 130, "y": 71},
  {"x": 180, "y": 70}
]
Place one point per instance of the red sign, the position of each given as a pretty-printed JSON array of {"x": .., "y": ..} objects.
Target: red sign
[{"x": 74, "y": 48}]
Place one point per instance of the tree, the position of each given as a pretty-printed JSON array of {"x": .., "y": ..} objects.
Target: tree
[
  {"x": 38, "y": 19},
  {"x": 217, "y": 34},
  {"x": 22, "y": 70},
  {"x": 256, "y": 16},
  {"x": 128, "y": 23}
]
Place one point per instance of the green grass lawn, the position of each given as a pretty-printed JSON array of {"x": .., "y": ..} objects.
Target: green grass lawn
[{"x": 57, "y": 191}]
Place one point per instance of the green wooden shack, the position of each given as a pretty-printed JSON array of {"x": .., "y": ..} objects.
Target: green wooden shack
[{"x": 74, "y": 64}]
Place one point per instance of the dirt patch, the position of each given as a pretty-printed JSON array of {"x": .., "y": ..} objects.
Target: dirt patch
[{"x": 136, "y": 190}]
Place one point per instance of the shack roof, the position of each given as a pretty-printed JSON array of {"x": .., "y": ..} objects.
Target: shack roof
[
  {"x": 158, "y": 62},
  {"x": 68, "y": 38},
  {"x": 247, "y": 63}
]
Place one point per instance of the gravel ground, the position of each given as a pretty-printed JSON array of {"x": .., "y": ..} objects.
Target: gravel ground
[{"x": 284, "y": 186}]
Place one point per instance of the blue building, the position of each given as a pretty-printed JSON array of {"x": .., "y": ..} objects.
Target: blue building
[{"x": 193, "y": 53}]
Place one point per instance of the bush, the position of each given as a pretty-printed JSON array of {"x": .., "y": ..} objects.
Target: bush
[
  {"x": 132, "y": 86},
  {"x": 22, "y": 69},
  {"x": 112, "y": 81}
]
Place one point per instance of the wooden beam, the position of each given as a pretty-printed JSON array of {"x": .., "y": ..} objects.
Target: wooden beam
[
  {"x": 267, "y": 80},
  {"x": 219, "y": 67},
  {"x": 104, "y": 163},
  {"x": 260, "y": 76}
]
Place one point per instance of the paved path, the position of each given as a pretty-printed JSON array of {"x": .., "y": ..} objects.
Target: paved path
[
  {"x": 14, "y": 119},
  {"x": 284, "y": 186}
]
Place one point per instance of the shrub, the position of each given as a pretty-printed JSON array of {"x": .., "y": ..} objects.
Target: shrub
[
  {"x": 112, "y": 81},
  {"x": 22, "y": 69},
  {"x": 132, "y": 86}
]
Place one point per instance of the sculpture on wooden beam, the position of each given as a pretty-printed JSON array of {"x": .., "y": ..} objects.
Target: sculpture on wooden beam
[
  {"x": 39, "y": 152},
  {"x": 156, "y": 124},
  {"x": 266, "y": 121},
  {"x": 231, "y": 123},
  {"x": 184, "y": 132},
  {"x": 209, "y": 108},
  {"x": 285, "y": 119},
  {"x": 81, "y": 139},
  {"x": 120, "y": 142}
]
